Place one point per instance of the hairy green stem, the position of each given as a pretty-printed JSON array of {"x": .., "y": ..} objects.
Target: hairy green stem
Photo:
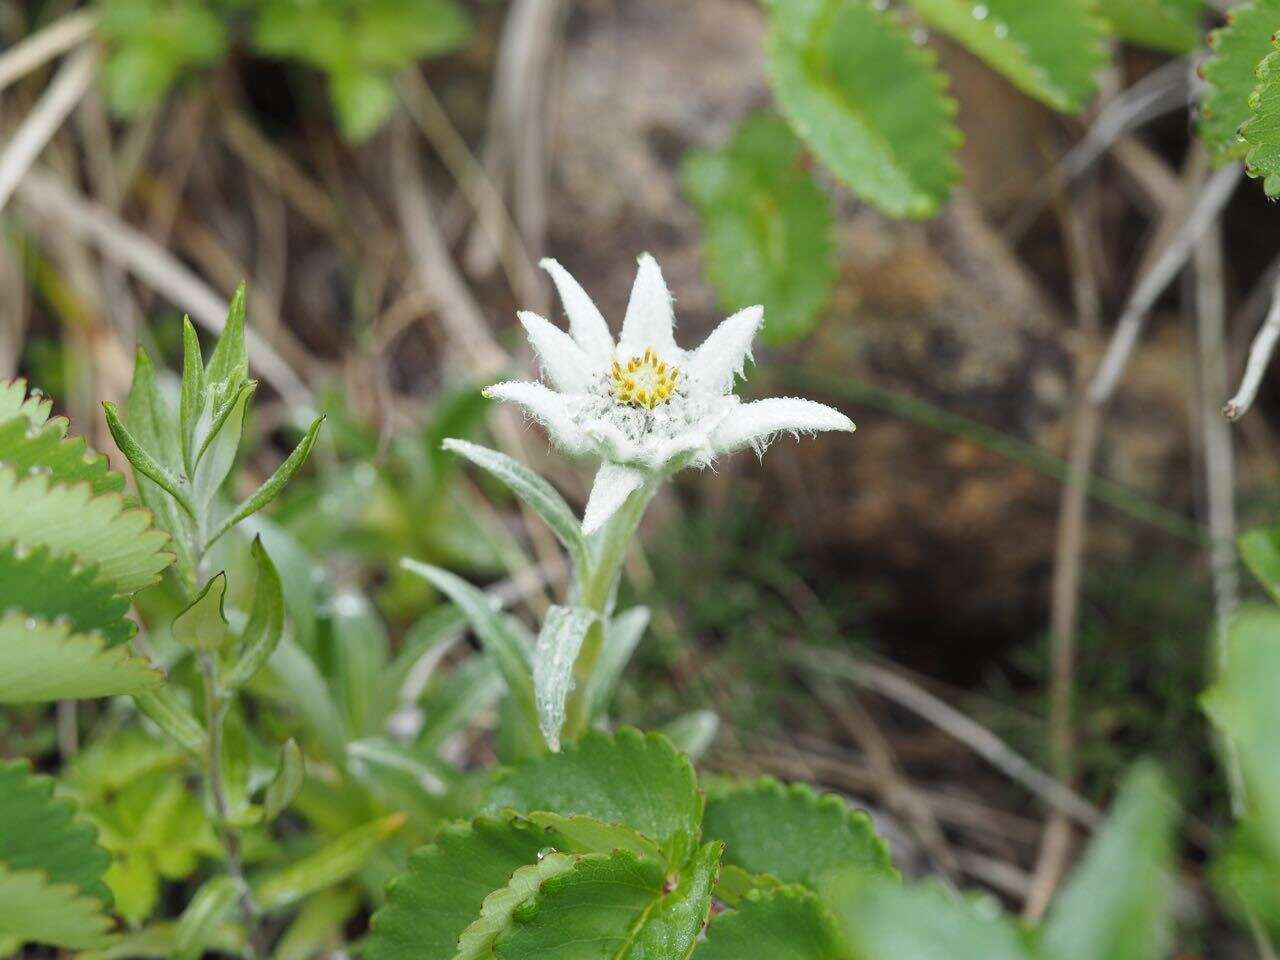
[
  {"x": 215, "y": 708},
  {"x": 608, "y": 552}
]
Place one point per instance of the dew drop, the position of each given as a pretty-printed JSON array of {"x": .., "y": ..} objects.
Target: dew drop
[
  {"x": 545, "y": 852},
  {"x": 980, "y": 12},
  {"x": 1001, "y": 30}
]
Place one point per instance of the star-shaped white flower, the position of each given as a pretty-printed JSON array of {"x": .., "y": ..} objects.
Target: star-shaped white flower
[{"x": 642, "y": 405}]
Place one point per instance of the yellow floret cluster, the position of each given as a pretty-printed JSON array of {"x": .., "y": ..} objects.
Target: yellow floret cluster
[{"x": 644, "y": 381}]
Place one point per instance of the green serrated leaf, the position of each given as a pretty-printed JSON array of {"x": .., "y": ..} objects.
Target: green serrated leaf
[
  {"x": 638, "y": 780},
  {"x": 793, "y": 834},
  {"x": 48, "y": 587},
  {"x": 594, "y": 910},
  {"x": 229, "y": 366},
  {"x": 41, "y": 661},
  {"x": 784, "y": 924},
  {"x": 1050, "y": 49},
  {"x": 202, "y": 625},
  {"x": 1116, "y": 905},
  {"x": 41, "y": 832},
  {"x": 46, "y": 449},
  {"x": 69, "y": 520},
  {"x": 33, "y": 909},
  {"x": 428, "y": 908},
  {"x": 1238, "y": 48},
  {"x": 869, "y": 102},
  {"x": 476, "y": 942},
  {"x": 1169, "y": 25},
  {"x": 15, "y": 401},
  {"x": 1262, "y": 130},
  {"x": 577, "y": 834},
  {"x": 767, "y": 227}
]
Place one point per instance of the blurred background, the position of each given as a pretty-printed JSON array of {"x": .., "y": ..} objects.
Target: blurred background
[{"x": 875, "y": 614}]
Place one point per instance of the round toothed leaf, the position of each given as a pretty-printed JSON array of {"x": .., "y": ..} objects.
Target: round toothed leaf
[
  {"x": 32, "y": 909},
  {"x": 70, "y": 521},
  {"x": 1262, "y": 131},
  {"x": 638, "y": 780},
  {"x": 429, "y": 907},
  {"x": 47, "y": 449},
  {"x": 14, "y": 400},
  {"x": 792, "y": 833},
  {"x": 1050, "y": 49},
  {"x": 612, "y": 906},
  {"x": 41, "y": 832},
  {"x": 767, "y": 227},
  {"x": 784, "y": 924},
  {"x": 1238, "y": 48},
  {"x": 48, "y": 587},
  {"x": 867, "y": 100},
  {"x": 41, "y": 661},
  {"x": 1169, "y": 25},
  {"x": 476, "y": 942}
]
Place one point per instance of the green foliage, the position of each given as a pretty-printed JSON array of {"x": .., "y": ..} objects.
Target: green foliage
[
  {"x": 1262, "y": 130},
  {"x": 785, "y": 924},
  {"x": 792, "y": 833},
  {"x": 767, "y": 227},
  {"x": 1051, "y": 49},
  {"x": 360, "y": 45},
  {"x": 71, "y": 554},
  {"x": 51, "y": 886},
  {"x": 637, "y": 780},
  {"x": 1238, "y": 49},
  {"x": 1170, "y": 25},
  {"x": 154, "y": 42},
  {"x": 869, "y": 102}
]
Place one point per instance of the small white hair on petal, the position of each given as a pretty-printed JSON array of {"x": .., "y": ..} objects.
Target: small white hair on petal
[
  {"x": 561, "y": 359},
  {"x": 547, "y": 407},
  {"x": 586, "y": 324},
  {"x": 650, "y": 319},
  {"x": 756, "y": 424},
  {"x": 612, "y": 486},
  {"x": 724, "y": 354}
]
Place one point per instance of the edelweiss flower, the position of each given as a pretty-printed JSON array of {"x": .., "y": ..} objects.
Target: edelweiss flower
[{"x": 643, "y": 405}]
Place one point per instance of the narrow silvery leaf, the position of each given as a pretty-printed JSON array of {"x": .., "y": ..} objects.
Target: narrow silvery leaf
[
  {"x": 621, "y": 635},
  {"x": 533, "y": 490},
  {"x": 271, "y": 488},
  {"x": 284, "y": 786},
  {"x": 379, "y": 752},
  {"x": 214, "y": 462},
  {"x": 172, "y": 716},
  {"x": 203, "y": 624},
  {"x": 557, "y": 651},
  {"x": 693, "y": 732},
  {"x": 230, "y": 363},
  {"x": 613, "y": 484},
  {"x": 493, "y": 630},
  {"x": 193, "y": 391},
  {"x": 145, "y": 464},
  {"x": 203, "y": 916},
  {"x": 266, "y": 621}
]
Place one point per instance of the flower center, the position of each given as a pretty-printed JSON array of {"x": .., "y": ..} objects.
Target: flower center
[{"x": 644, "y": 381}]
